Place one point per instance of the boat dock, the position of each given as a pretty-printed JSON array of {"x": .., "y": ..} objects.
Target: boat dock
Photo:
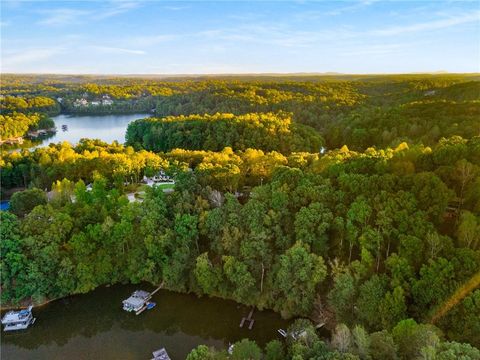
[
  {"x": 160, "y": 354},
  {"x": 248, "y": 319},
  {"x": 18, "y": 320},
  {"x": 138, "y": 302}
]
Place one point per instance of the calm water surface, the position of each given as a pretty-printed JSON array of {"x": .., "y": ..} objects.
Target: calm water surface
[
  {"x": 94, "y": 326},
  {"x": 104, "y": 127}
]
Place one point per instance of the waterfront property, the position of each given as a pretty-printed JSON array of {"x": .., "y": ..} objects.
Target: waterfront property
[
  {"x": 41, "y": 132},
  {"x": 18, "y": 320},
  {"x": 139, "y": 301}
]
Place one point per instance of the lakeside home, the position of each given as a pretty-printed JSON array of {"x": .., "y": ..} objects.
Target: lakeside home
[{"x": 41, "y": 132}]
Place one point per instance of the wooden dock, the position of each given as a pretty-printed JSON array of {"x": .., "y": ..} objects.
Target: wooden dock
[
  {"x": 144, "y": 307},
  {"x": 248, "y": 319},
  {"x": 154, "y": 291}
]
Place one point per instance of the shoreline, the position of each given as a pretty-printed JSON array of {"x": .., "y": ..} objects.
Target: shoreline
[
  {"x": 23, "y": 304},
  {"x": 327, "y": 325}
]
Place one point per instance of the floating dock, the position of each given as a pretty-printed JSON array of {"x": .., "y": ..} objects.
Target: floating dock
[
  {"x": 18, "y": 320},
  {"x": 160, "y": 354},
  {"x": 138, "y": 302}
]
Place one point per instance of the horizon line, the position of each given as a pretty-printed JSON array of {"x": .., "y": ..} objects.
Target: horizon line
[{"x": 301, "y": 73}]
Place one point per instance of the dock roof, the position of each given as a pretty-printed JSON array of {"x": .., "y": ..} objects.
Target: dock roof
[{"x": 160, "y": 354}]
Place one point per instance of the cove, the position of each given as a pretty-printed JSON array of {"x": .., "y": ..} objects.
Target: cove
[
  {"x": 107, "y": 128},
  {"x": 94, "y": 326}
]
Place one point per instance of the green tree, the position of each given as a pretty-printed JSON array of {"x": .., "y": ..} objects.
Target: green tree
[
  {"x": 207, "y": 275},
  {"x": 296, "y": 279},
  {"x": 393, "y": 307},
  {"x": 13, "y": 261},
  {"x": 361, "y": 342},
  {"x": 468, "y": 232},
  {"x": 342, "y": 297},
  {"x": 242, "y": 281},
  {"x": 382, "y": 346},
  {"x": 342, "y": 339},
  {"x": 453, "y": 351},
  {"x": 274, "y": 351},
  {"x": 246, "y": 350},
  {"x": 23, "y": 202},
  {"x": 371, "y": 293},
  {"x": 411, "y": 338},
  {"x": 201, "y": 352},
  {"x": 311, "y": 225}
]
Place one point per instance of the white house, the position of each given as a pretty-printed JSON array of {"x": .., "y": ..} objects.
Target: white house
[{"x": 80, "y": 102}]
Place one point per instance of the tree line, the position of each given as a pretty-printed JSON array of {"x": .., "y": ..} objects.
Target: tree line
[{"x": 407, "y": 340}]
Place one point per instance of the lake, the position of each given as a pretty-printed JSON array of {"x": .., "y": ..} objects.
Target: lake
[
  {"x": 108, "y": 128},
  {"x": 94, "y": 326}
]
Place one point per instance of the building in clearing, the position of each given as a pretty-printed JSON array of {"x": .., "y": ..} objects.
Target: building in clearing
[
  {"x": 80, "y": 102},
  {"x": 162, "y": 177}
]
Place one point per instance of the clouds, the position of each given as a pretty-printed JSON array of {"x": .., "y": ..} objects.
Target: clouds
[
  {"x": 59, "y": 17},
  {"x": 115, "y": 50},
  {"x": 70, "y": 16},
  {"x": 116, "y": 8},
  {"x": 150, "y": 40},
  {"x": 352, "y": 7},
  {"x": 188, "y": 37},
  {"x": 429, "y": 25},
  {"x": 13, "y": 60}
]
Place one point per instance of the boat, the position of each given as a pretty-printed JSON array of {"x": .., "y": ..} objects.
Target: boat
[
  {"x": 137, "y": 302},
  {"x": 18, "y": 320},
  {"x": 150, "y": 305}
]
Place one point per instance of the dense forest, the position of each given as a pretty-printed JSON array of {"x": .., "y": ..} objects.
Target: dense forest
[
  {"x": 18, "y": 115},
  {"x": 378, "y": 236},
  {"x": 215, "y": 132}
]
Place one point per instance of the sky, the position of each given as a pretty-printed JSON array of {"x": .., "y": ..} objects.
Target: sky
[{"x": 161, "y": 37}]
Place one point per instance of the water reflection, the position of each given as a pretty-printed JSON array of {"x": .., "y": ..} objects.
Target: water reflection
[
  {"x": 95, "y": 324},
  {"x": 108, "y": 128}
]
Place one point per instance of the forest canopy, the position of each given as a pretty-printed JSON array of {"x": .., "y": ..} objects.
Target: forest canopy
[
  {"x": 349, "y": 200},
  {"x": 264, "y": 131}
]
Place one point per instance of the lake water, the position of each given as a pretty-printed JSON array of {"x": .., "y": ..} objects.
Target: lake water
[
  {"x": 108, "y": 128},
  {"x": 94, "y": 326}
]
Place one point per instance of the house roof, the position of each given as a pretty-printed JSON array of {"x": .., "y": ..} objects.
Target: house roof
[{"x": 134, "y": 301}]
